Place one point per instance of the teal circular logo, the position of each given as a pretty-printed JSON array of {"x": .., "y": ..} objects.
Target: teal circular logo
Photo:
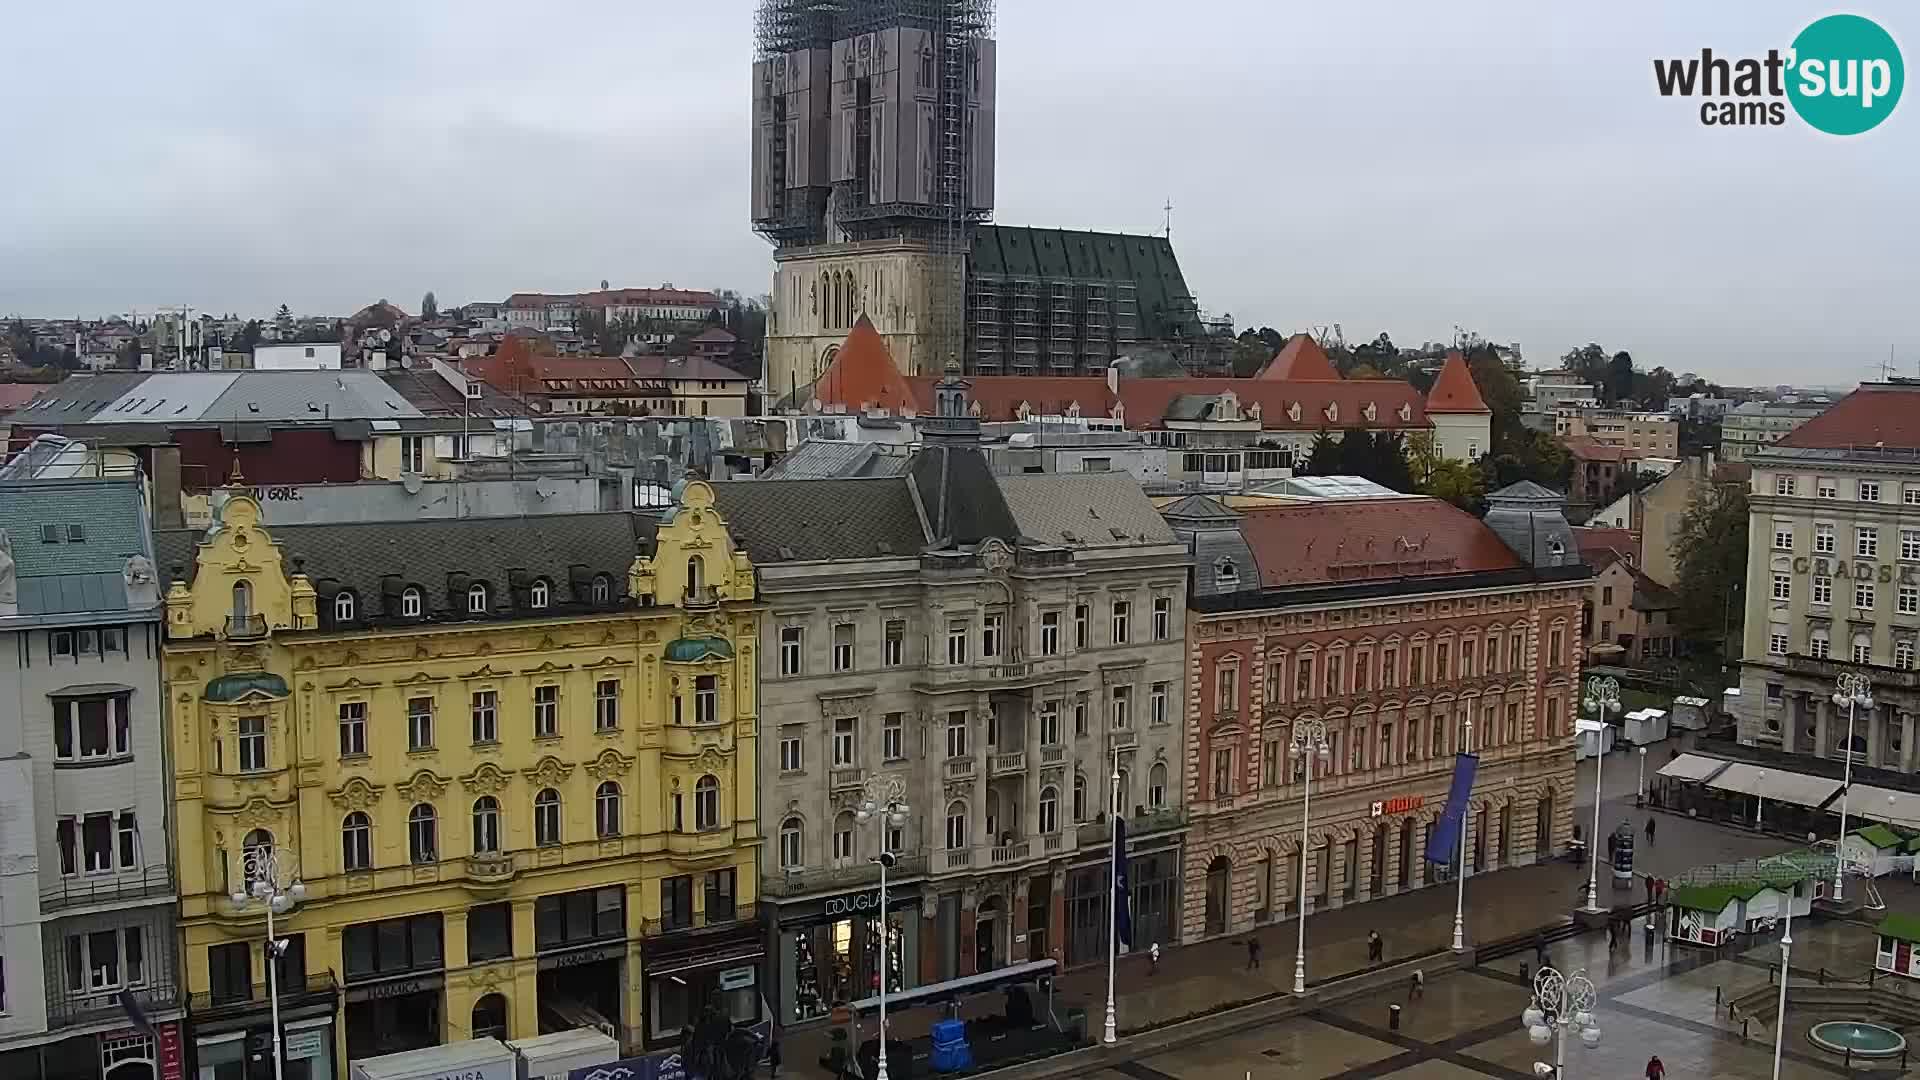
[{"x": 1845, "y": 75}]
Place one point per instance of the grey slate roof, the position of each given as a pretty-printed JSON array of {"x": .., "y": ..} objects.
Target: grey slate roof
[
  {"x": 73, "y": 575},
  {"x": 810, "y": 520},
  {"x": 190, "y": 397},
  {"x": 1202, "y": 510},
  {"x": 500, "y": 552},
  {"x": 1211, "y": 530},
  {"x": 1084, "y": 510},
  {"x": 820, "y": 459}
]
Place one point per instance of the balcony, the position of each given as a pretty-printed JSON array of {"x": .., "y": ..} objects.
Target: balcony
[
  {"x": 66, "y": 1007},
  {"x": 1826, "y": 671},
  {"x": 155, "y": 882},
  {"x": 1124, "y": 739},
  {"x": 960, "y": 768},
  {"x": 1153, "y": 821},
  {"x": 1055, "y": 843},
  {"x": 692, "y": 740},
  {"x": 956, "y": 859},
  {"x": 1013, "y": 763},
  {"x": 246, "y": 627},
  {"x": 494, "y": 868},
  {"x": 1008, "y": 854},
  {"x": 1053, "y": 755},
  {"x": 846, "y": 779},
  {"x": 316, "y": 989},
  {"x": 1003, "y": 675},
  {"x": 824, "y": 878},
  {"x": 700, "y": 843}
]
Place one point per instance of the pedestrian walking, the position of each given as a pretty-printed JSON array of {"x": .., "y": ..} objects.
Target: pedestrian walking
[
  {"x": 1153, "y": 959},
  {"x": 1253, "y": 953},
  {"x": 1540, "y": 957},
  {"x": 773, "y": 1059},
  {"x": 1649, "y": 830},
  {"x": 1417, "y": 986},
  {"x": 1376, "y": 948},
  {"x": 1656, "y": 1069},
  {"x": 1613, "y": 934}
]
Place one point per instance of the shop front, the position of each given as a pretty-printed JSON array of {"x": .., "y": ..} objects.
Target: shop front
[
  {"x": 233, "y": 1039},
  {"x": 580, "y": 939},
  {"x": 691, "y": 970},
  {"x": 1154, "y": 885},
  {"x": 828, "y": 951},
  {"x": 395, "y": 985},
  {"x": 124, "y": 1054}
]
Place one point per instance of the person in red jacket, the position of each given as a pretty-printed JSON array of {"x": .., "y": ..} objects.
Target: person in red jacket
[{"x": 1656, "y": 1070}]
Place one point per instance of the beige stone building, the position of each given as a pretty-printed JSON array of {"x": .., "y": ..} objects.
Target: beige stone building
[{"x": 1641, "y": 435}]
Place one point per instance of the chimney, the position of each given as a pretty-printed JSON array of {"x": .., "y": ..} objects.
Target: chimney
[
  {"x": 165, "y": 463},
  {"x": 1113, "y": 378}
]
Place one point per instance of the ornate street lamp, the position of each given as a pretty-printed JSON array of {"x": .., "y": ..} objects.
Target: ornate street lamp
[
  {"x": 883, "y": 799},
  {"x": 1561, "y": 1003},
  {"x": 262, "y": 883},
  {"x": 1309, "y": 740}
]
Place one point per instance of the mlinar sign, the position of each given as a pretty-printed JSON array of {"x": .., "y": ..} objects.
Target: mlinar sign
[{"x": 1398, "y": 805}]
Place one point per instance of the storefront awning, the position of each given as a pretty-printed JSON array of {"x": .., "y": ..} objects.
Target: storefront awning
[
  {"x": 966, "y": 984},
  {"x": 1776, "y": 785},
  {"x": 1693, "y": 768},
  {"x": 1883, "y": 804}
]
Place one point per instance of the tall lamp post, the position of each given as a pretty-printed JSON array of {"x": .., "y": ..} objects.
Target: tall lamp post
[
  {"x": 1460, "y": 884},
  {"x": 262, "y": 881},
  {"x": 1111, "y": 1033},
  {"x": 1603, "y": 694},
  {"x": 1641, "y": 790},
  {"x": 883, "y": 800},
  {"x": 1786, "y": 952},
  {"x": 1561, "y": 1002},
  {"x": 1855, "y": 691},
  {"x": 1309, "y": 740}
]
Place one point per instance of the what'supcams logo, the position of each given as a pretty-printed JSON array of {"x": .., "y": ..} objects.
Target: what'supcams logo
[{"x": 1842, "y": 75}]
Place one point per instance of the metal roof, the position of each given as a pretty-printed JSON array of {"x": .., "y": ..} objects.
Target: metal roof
[{"x": 186, "y": 397}]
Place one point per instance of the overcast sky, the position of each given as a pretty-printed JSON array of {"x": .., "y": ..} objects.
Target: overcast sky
[{"x": 1395, "y": 166}]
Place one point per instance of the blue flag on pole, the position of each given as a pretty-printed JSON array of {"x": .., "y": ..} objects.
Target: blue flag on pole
[
  {"x": 1445, "y": 837},
  {"x": 1122, "y": 916}
]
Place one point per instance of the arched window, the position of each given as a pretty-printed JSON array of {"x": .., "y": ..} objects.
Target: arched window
[
  {"x": 423, "y": 834},
  {"x": 343, "y": 606},
  {"x": 1049, "y": 809},
  {"x": 539, "y": 595},
  {"x": 956, "y": 825},
  {"x": 486, "y": 825},
  {"x": 255, "y": 849},
  {"x": 356, "y": 842},
  {"x": 1225, "y": 574},
  {"x": 843, "y": 836},
  {"x": 606, "y": 809},
  {"x": 410, "y": 605},
  {"x": 602, "y": 589},
  {"x": 696, "y": 576},
  {"x": 1079, "y": 796},
  {"x": 1157, "y": 786},
  {"x": 546, "y": 817},
  {"x": 242, "y": 601},
  {"x": 490, "y": 1017},
  {"x": 706, "y": 803},
  {"x": 792, "y": 854},
  {"x": 477, "y": 600}
]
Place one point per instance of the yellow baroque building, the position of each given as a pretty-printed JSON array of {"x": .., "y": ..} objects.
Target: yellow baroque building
[{"x": 509, "y": 761}]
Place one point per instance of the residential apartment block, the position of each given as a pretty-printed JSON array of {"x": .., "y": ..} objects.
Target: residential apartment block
[
  {"x": 1833, "y": 579},
  {"x": 1393, "y": 621},
  {"x": 994, "y": 647},
  {"x": 87, "y": 892},
  {"x": 1639, "y": 435},
  {"x": 510, "y": 759},
  {"x": 1752, "y": 426}
]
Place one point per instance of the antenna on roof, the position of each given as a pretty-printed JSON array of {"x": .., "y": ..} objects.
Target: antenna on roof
[{"x": 1169, "y": 227}]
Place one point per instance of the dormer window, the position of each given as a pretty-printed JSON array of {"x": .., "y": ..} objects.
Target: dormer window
[
  {"x": 1556, "y": 550},
  {"x": 602, "y": 589},
  {"x": 538, "y": 596},
  {"x": 343, "y": 607},
  {"x": 477, "y": 600},
  {"x": 1226, "y": 574},
  {"x": 410, "y": 605}
]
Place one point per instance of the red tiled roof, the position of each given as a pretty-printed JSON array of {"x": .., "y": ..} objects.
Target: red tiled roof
[
  {"x": 1877, "y": 414},
  {"x": 1588, "y": 448},
  {"x": 603, "y": 297},
  {"x": 715, "y": 334},
  {"x": 863, "y": 375},
  {"x": 1454, "y": 391},
  {"x": 1342, "y": 541},
  {"x": 1000, "y": 396},
  {"x": 1600, "y": 547},
  {"x": 1300, "y": 359},
  {"x": 1145, "y": 401},
  {"x": 15, "y": 394}
]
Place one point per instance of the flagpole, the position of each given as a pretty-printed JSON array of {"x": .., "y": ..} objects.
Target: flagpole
[
  {"x": 1111, "y": 1036},
  {"x": 1460, "y": 894}
]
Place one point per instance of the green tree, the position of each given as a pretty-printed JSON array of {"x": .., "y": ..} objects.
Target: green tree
[
  {"x": 1324, "y": 458},
  {"x": 1458, "y": 482},
  {"x": 1619, "y": 386},
  {"x": 1710, "y": 560},
  {"x": 250, "y": 334},
  {"x": 429, "y": 307},
  {"x": 284, "y": 316},
  {"x": 1250, "y": 354}
]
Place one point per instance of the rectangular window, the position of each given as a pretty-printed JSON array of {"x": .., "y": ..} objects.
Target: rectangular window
[
  {"x": 1910, "y": 494},
  {"x": 1272, "y": 754},
  {"x": 893, "y": 737},
  {"x": 1910, "y": 599},
  {"x": 1158, "y": 699},
  {"x": 1866, "y": 543},
  {"x": 420, "y": 723},
  {"x": 676, "y": 902},
  {"x": 1122, "y": 621},
  {"x": 1825, "y": 488},
  {"x": 893, "y": 645},
  {"x": 1817, "y": 646},
  {"x": 1222, "y": 773},
  {"x": 1122, "y": 707},
  {"x": 1869, "y": 491},
  {"x": 957, "y": 733},
  {"x": 1863, "y": 595},
  {"x": 413, "y": 451},
  {"x": 1776, "y": 644},
  {"x": 1903, "y": 655},
  {"x": 1516, "y": 647},
  {"x": 253, "y": 743},
  {"x": 843, "y": 742},
  {"x": 1335, "y": 685},
  {"x": 606, "y": 704},
  {"x": 1862, "y": 653},
  {"x": 1226, "y": 689},
  {"x": 129, "y": 833},
  {"x": 1442, "y": 665},
  {"x": 991, "y": 629},
  {"x": 1303, "y": 679},
  {"x": 1782, "y": 587},
  {"x": 353, "y": 729},
  {"x": 1556, "y": 653},
  {"x": 1081, "y": 701},
  {"x": 1783, "y": 485},
  {"x": 230, "y": 972},
  {"x": 1823, "y": 590},
  {"x": 1082, "y": 616},
  {"x": 1389, "y": 668},
  {"x": 489, "y": 932},
  {"x": 719, "y": 898},
  {"x": 957, "y": 641},
  {"x": 1162, "y": 618},
  {"x": 96, "y": 842},
  {"x": 88, "y": 728},
  {"x": 66, "y": 835},
  {"x": 706, "y": 699},
  {"x": 790, "y": 754},
  {"x": 791, "y": 639},
  {"x": 1050, "y": 722},
  {"x": 1910, "y": 544},
  {"x": 1360, "y": 672},
  {"x": 1049, "y": 633},
  {"x": 1823, "y": 539},
  {"x": 1783, "y": 536},
  {"x": 843, "y": 647},
  {"x": 486, "y": 716},
  {"x": 1417, "y": 666}
]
